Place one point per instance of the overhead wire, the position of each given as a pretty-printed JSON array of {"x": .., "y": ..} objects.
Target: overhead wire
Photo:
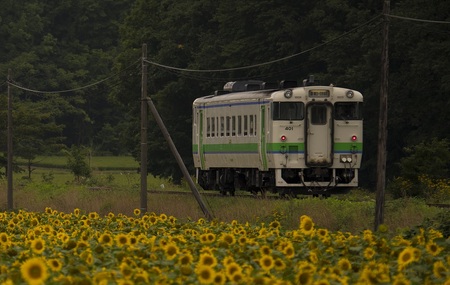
[
  {"x": 416, "y": 19},
  {"x": 12, "y": 83},
  {"x": 264, "y": 63}
]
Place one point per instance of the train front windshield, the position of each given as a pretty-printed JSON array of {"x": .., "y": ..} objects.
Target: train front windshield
[
  {"x": 348, "y": 111},
  {"x": 291, "y": 111}
]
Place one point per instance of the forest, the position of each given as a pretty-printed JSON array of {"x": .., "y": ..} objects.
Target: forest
[{"x": 75, "y": 71}]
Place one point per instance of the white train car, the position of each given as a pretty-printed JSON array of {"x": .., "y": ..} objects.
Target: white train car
[{"x": 288, "y": 139}]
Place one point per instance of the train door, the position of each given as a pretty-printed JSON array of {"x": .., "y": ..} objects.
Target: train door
[
  {"x": 200, "y": 138},
  {"x": 263, "y": 141},
  {"x": 319, "y": 144}
]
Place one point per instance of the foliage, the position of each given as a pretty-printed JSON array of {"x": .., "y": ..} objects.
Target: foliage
[
  {"x": 425, "y": 172},
  {"x": 80, "y": 43},
  {"x": 147, "y": 248},
  {"x": 76, "y": 162}
]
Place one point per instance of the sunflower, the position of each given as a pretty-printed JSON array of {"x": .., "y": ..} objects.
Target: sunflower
[
  {"x": 54, "y": 264},
  {"x": 205, "y": 274},
  {"x": 122, "y": 239},
  {"x": 306, "y": 225},
  {"x": 439, "y": 269},
  {"x": 137, "y": 212},
  {"x": 313, "y": 256},
  {"x": 171, "y": 250},
  {"x": 34, "y": 271},
  {"x": 369, "y": 253},
  {"x": 186, "y": 258},
  {"x": 93, "y": 215},
  {"x": 207, "y": 259},
  {"x": 4, "y": 239},
  {"x": 265, "y": 250},
  {"x": 219, "y": 278},
  {"x": 207, "y": 238},
  {"x": 433, "y": 248},
  {"x": 279, "y": 264},
  {"x": 237, "y": 278},
  {"x": 228, "y": 238},
  {"x": 163, "y": 217},
  {"x": 401, "y": 280},
  {"x": 266, "y": 262},
  {"x": 406, "y": 256},
  {"x": 344, "y": 264},
  {"x": 232, "y": 268},
  {"x": 38, "y": 245},
  {"x": 126, "y": 270},
  {"x": 105, "y": 239},
  {"x": 289, "y": 251},
  {"x": 275, "y": 224}
]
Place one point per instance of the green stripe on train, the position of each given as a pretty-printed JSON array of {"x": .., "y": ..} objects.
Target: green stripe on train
[{"x": 272, "y": 147}]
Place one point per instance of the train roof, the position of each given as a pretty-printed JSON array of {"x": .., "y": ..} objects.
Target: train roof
[{"x": 253, "y": 89}]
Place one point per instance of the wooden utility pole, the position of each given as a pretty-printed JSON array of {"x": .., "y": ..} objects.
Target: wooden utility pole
[
  {"x": 144, "y": 130},
  {"x": 9, "y": 171},
  {"x": 382, "y": 126}
]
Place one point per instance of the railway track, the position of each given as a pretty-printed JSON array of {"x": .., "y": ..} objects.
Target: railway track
[{"x": 213, "y": 194}]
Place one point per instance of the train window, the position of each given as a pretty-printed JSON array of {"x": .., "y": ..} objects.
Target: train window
[
  {"x": 208, "y": 127},
  {"x": 213, "y": 129},
  {"x": 251, "y": 125},
  {"x": 239, "y": 125},
  {"x": 233, "y": 126},
  {"x": 292, "y": 111},
  {"x": 245, "y": 125},
  {"x": 228, "y": 125},
  {"x": 348, "y": 111},
  {"x": 222, "y": 126},
  {"x": 318, "y": 115},
  {"x": 254, "y": 126}
]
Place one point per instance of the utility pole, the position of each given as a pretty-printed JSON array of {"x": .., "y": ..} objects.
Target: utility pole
[
  {"x": 179, "y": 160},
  {"x": 382, "y": 126},
  {"x": 9, "y": 172},
  {"x": 144, "y": 131}
]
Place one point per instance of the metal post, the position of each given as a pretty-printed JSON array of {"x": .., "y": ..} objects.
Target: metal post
[
  {"x": 144, "y": 123},
  {"x": 10, "y": 146},
  {"x": 382, "y": 126}
]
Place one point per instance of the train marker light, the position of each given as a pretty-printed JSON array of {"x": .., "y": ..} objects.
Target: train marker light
[
  {"x": 349, "y": 94},
  {"x": 283, "y": 138},
  {"x": 354, "y": 138},
  {"x": 288, "y": 93}
]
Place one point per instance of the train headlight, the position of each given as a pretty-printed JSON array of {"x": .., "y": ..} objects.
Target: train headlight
[
  {"x": 283, "y": 138},
  {"x": 345, "y": 158},
  {"x": 354, "y": 138},
  {"x": 288, "y": 93},
  {"x": 349, "y": 94}
]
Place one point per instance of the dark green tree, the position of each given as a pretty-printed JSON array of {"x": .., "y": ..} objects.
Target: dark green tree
[
  {"x": 35, "y": 131},
  {"x": 76, "y": 162}
]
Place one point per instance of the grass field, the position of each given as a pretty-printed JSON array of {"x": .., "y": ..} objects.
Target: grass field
[
  {"x": 115, "y": 187},
  {"x": 95, "y": 162}
]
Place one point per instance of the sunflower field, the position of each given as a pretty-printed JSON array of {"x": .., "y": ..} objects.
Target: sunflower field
[{"x": 52, "y": 247}]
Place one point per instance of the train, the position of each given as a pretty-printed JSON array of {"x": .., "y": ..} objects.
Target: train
[{"x": 283, "y": 137}]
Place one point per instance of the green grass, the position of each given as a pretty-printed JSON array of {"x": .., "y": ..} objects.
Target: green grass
[
  {"x": 96, "y": 162},
  {"x": 117, "y": 190}
]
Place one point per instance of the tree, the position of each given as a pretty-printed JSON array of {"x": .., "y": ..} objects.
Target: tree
[
  {"x": 35, "y": 131},
  {"x": 424, "y": 171},
  {"x": 76, "y": 162}
]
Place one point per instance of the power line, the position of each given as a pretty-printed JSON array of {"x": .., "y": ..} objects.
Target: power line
[
  {"x": 264, "y": 63},
  {"x": 417, "y": 20},
  {"x": 74, "y": 89}
]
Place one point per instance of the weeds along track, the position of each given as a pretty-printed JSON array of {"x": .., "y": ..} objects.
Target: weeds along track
[{"x": 215, "y": 194}]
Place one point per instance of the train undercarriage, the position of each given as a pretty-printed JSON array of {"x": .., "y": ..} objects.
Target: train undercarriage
[{"x": 315, "y": 181}]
